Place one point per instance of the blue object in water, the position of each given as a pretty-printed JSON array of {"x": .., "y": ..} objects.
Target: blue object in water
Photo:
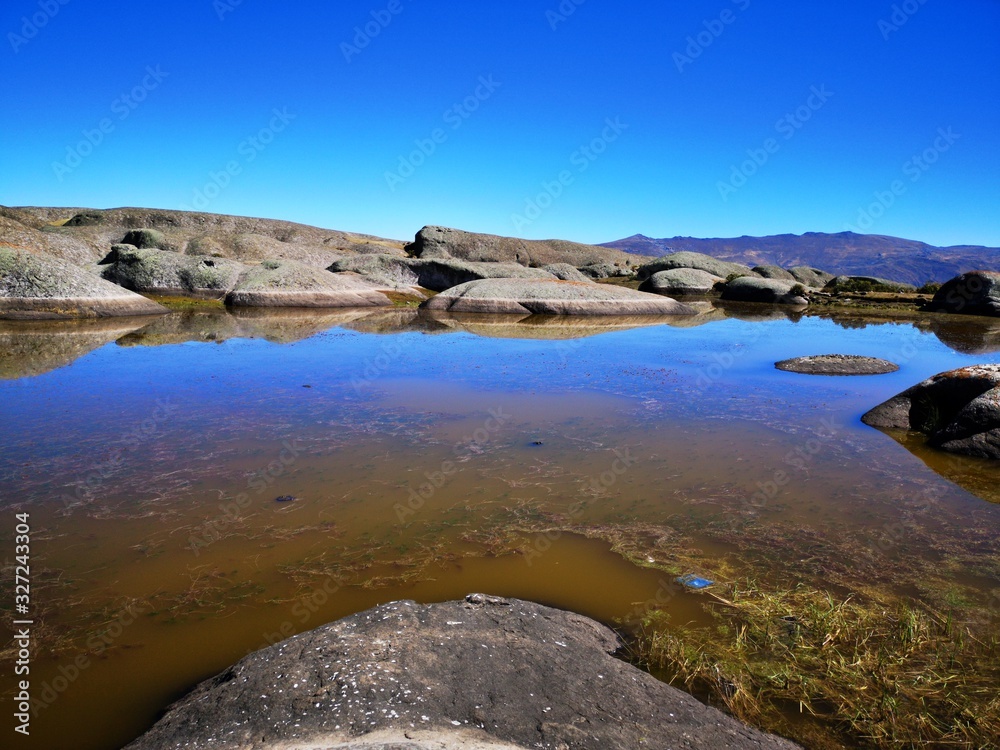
[{"x": 694, "y": 582}]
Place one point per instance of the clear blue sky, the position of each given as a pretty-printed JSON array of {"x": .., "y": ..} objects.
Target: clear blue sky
[{"x": 661, "y": 118}]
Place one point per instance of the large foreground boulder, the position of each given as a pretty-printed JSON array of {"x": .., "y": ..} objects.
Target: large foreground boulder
[
  {"x": 34, "y": 286},
  {"x": 436, "y": 274},
  {"x": 959, "y": 411},
  {"x": 700, "y": 261},
  {"x": 775, "y": 291},
  {"x": 443, "y": 242},
  {"x": 681, "y": 281},
  {"x": 538, "y": 296},
  {"x": 485, "y": 673},
  {"x": 286, "y": 283},
  {"x": 973, "y": 293},
  {"x": 154, "y": 271}
]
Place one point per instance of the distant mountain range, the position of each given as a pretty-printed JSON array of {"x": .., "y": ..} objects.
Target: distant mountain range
[{"x": 844, "y": 253}]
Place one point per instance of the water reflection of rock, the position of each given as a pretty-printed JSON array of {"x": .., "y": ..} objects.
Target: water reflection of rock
[
  {"x": 968, "y": 335},
  {"x": 759, "y": 313},
  {"x": 280, "y": 326},
  {"x": 30, "y": 348},
  {"x": 398, "y": 320},
  {"x": 555, "y": 326},
  {"x": 285, "y": 326},
  {"x": 979, "y": 476},
  {"x": 964, "y": 334}
]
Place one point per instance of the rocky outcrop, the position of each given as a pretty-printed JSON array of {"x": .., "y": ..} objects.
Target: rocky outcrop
[
  {"x": 604, "y": 270},
  {"x": 812, "y": 277},
  {"x": 289, "y": 284},
  {"x": 436, "y": 274},
  {"x": 565, "y": 272},
  {"x": 959, "y": 411},
  {"x": 753, "y": 289},
  {"x": 442, "y": 242},
  {"x": 147, "y": 239},
  {"x": 154, "y": 271},
  {"x": 837, "y": 364},
  {"x": 18, "y": 228},
  {"x": 484, "y": 673},
  {"x": 698, "y": 261},
  {"x": 774, "y": 272},
  {"x": 538, "y": 296},
  {"x": 972, "y": 293},
  {"x": 866, "y": 284},
  {"x": 36, "y": 286},
  {"x": 84, "y": 235},
  {"x": 681, "y": 281}
]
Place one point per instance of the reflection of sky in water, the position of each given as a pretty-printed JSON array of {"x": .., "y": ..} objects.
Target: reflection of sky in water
[{"x": 721, "y": 370}]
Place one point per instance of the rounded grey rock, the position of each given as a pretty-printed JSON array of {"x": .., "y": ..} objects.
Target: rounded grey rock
[{"x": 837, "y": 364}]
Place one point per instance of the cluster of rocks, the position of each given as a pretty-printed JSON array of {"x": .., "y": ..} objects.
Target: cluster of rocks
[
  {"x": 262, "y": 263},
  {"x": 690, "y": 273},
  {"x": 480, "y": 273}
]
